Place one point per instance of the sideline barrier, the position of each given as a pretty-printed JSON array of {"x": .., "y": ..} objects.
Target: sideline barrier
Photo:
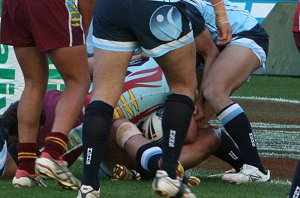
[
  {"x": 283, "y": 57},
  {"x": 11, "y": 78}
]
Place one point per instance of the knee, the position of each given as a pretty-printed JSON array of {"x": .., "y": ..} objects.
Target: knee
[
  {"x": 82, "y": 80},
  {"x": 187, "y": 88},
  {"x": 209, "y": 92},
  {"x": 212, "y": 91},
  {"x": 124, "y": 132}
]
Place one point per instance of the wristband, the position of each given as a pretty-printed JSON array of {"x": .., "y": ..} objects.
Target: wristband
[{"x": 220, "y": 12}]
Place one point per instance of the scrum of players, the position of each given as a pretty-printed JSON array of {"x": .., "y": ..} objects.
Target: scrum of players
[{"x": 136, "y": 136}]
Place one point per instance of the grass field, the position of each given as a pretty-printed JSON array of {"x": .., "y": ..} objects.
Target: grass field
[{"x": 272, "y": 104}]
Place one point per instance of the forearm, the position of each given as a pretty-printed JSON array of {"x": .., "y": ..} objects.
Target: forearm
[{"x": 220, "y": 11}]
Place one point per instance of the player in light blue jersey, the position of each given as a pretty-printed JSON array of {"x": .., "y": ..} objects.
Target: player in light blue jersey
[
  {"x": 162, "y": 28},
  {"x": 236, "y": 61}
]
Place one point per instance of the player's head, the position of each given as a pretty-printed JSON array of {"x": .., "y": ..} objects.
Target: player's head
[{"x": 10, "y": 120}]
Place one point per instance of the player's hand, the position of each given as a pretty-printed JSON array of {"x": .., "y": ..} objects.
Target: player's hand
[{"x": 224, "y": 33}]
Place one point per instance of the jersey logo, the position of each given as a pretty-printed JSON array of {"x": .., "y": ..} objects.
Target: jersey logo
[{"x": 166, "y": 23}]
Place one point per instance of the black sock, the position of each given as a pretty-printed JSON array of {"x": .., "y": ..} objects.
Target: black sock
[
  {"x": 96, "y": 127},
  {"x": 229, "y": 152},
  {"x": 148, "y": 157},
  {"x": 175, "y": 122},
  {"x": 295, "y": 188},
  {"x": 238, "y": 126}
]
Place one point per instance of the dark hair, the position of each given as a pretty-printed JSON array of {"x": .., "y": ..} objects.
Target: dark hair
[{"x": 10, "y": 119}]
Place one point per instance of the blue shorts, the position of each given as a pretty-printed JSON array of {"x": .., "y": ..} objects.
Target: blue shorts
[{"x": 157, "y": 26}]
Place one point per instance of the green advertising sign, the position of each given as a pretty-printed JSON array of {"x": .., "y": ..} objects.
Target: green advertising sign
[{"x": 3, "y": 54}]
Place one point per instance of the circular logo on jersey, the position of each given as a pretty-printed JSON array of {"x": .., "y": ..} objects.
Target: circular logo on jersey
[{"x": 165, "y": 23}]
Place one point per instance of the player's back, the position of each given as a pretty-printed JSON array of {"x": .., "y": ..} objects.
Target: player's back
[{"x": 145, "y": 89}]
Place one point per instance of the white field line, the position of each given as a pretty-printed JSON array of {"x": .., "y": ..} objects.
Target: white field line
[
  {"x": 283, "y": 100},
  {"x": 273, "y": 181},
  {"x": 276, "y": 140},
  {"x": 267, "y": 125},
  {"x": 281, "y": 182},
  {"x": 274, "y": 126}
]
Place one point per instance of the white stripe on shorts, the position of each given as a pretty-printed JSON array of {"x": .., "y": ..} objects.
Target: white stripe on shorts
[
  {"x": 114, "y": 45},
  {"x": 167, "y": 1},
  {"x": 165, "y": 48}
]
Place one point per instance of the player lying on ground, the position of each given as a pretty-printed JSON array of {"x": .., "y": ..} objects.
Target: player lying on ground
[
  {"x": 61, "y": 39},
  {"x": 143, "y": 149}
]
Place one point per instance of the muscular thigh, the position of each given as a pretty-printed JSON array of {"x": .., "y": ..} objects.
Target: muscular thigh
[
  {"x": 231, "y": 68},
  {"x": 257, "y": 40}
]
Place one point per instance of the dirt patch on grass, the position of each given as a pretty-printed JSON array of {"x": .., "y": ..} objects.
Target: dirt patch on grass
[{"x": 271, "y": 112}]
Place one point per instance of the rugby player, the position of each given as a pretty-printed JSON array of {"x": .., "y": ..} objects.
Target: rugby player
[
  {"x": 248, "y": 48},
  {"x": 245, "y": 53},
  {"x": 163, "y": 30},
  {"x": 38, "y": 30}
]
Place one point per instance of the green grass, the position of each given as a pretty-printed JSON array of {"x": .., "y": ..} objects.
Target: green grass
[
  {"x": 271, "y": 87},
  {"x": 209, "y": 187}
]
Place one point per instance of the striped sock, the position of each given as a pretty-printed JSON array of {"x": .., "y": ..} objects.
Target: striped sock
[
  {"x": 27, "y": 156},
  {"x": 238, "y": 126},
  {"x": 56, "y": 144},
  {"x": 148, "y": 157}
]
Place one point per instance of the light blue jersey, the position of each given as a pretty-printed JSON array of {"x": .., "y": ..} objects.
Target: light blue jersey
[
  {"x": 246, "y": 31},
  {"x": 240, "y": 20}
]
